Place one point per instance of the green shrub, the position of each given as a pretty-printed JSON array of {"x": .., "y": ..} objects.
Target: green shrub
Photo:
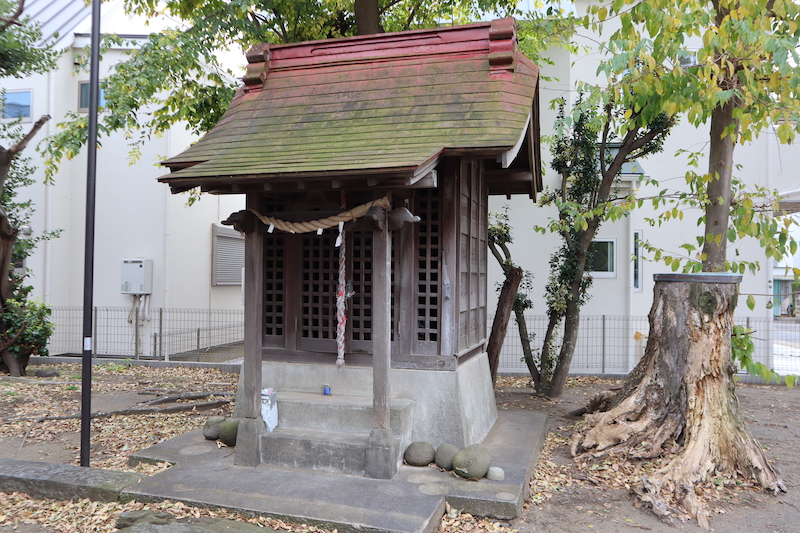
[{"x": 35, "y": 315}]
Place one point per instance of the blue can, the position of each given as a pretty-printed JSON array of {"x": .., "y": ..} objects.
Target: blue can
[{"x": 326, "y": 390}]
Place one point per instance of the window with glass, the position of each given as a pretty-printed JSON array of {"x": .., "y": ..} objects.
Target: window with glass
[
  {"x": 83, "y": 97},
  {"x": 603, "y": 262},
  {"x": 17, "y": 104},
  {"x": 637, "y": 260}
]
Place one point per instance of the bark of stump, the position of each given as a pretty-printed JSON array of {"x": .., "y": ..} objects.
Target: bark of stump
[{"x": 680, "y": 401}]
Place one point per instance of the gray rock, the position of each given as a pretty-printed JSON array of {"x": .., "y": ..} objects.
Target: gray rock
[
  {"x": 495, "y": 473},
  {"x": 444, "y": 456},
  {"x": 155, "y": 522},
  {"x": 419, "y": 454},
  {"x": 228, "y": 429},
  {"x": 47, "y": 373},
  {"x": 211, "y": 427},
  {"x": 472, "y": 462}
]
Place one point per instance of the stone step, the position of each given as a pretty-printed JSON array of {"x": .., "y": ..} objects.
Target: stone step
[
  {"x": 327, "y": 451},
  {"x": 339, "y": 413}
]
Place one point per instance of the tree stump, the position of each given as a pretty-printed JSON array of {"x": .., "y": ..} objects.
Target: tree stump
[{"x": 680, "y": 401}]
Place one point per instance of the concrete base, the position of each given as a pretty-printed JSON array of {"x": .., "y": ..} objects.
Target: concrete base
[
  {"x": 381, "y": 454},
  {"x": 63, "y": 482},
  {"x": 413, "y": 501},
  {"x": 205, "y": 475},
  {"x": 248, "y": 441},
  {"x": 456, "y": 407}
]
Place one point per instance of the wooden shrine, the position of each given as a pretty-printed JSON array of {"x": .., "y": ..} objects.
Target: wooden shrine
[{"x": 391, "y": 144}]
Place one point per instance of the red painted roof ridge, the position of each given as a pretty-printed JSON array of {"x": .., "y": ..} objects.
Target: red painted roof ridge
[{"x": 496, "y": 39}]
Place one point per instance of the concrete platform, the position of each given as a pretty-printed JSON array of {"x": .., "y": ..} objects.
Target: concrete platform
[
  {"x": 205, "y": 475},
  {"x": 412, "y": 502}
]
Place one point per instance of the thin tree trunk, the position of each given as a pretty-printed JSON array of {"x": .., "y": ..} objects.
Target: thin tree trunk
[
  {"x": 571, "y": 323},
  {"x": 368, "y": 19},
  {"x": 525, "y": 341},
  {"x": 505, "y": 305},
  {"x": 547, "y": 348},
  {"x": 680, "y": 402},
  {"x": 8, "y": 237},
  {"x": 720, "y": 168}
]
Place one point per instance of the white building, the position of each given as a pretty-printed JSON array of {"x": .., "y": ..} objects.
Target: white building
[
  {"x": 621, "y": 296},
  {"x": 136, "y": 217}
]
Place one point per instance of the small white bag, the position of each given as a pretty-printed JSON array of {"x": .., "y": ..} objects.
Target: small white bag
[{"x": 269, "y": 408}]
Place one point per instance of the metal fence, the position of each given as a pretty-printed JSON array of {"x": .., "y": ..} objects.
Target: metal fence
[
  {"x": 606, "y": 344},
  {"x": 614, "y": 344},
  {"x": 214, "y": 335}
]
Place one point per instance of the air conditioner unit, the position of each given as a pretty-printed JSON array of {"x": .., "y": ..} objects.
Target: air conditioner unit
[{"x": 137, "y": 276}]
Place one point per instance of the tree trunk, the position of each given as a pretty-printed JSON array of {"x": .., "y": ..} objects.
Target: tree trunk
[
  {"x": 368, "y": 18},
  {"x": 12, "y": 364},
  {"x": 572, "y": 319},
  {"x": 680, "y": 401},
  {"x": 505, "y": 304},
  {"x": 720, "y": 169},
  {"x": 547, "y": 348},
  {"x": 525, "y": 341}
]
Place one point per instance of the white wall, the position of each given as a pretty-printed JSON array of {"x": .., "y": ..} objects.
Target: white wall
[
  {"x": 764, "y": 162},
  {"x": 135, "y": 215}
]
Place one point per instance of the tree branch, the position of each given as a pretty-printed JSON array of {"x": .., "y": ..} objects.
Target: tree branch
[
  {"x": 14, "y": 18},
  {"x": 23, "y": 143},
  {"x": 13, "y": 339}
]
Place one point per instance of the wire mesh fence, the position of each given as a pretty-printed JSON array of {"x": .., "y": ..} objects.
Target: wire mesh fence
[
  {"x": 214, "y": 335},
  {"x": 615, "y": 344},
  {"x": 606, "y": 344}
]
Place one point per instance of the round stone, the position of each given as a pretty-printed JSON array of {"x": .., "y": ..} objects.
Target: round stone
[
  {"x": 495, "y": 473},
  {"x": 444, "y": 456},
  {"x": 472, "y": 462},
  {"x": 46, "y": 373},
  {"x": 227, "y": 431},
  {"x": 419, "y": 454},
  {"x": 211, "y": 427}
]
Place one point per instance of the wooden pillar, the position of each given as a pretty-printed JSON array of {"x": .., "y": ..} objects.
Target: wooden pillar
[
  {"x": 448, "y": 325},
  {"x": 406, "y": 293},
  {"x": 249, "y": 398},
  {"x": 381, "y": 448}
]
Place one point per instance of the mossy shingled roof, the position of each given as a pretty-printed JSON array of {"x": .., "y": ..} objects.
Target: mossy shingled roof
[{"x": 389, "y": 104}]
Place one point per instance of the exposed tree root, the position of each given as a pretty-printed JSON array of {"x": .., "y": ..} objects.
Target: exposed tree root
[
  {"x": 184, "y": 396},
  {"x": 680, "y": 403},
  {"x": 134, "y": 411}
]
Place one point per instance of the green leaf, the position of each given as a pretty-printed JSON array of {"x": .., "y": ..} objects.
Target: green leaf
[{"x": 751, "y": 302}]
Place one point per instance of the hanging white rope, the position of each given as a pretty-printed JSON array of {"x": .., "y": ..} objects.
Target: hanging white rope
[
  {"x": 322, "y": 223},
  {"x": 341, "y": 296}
]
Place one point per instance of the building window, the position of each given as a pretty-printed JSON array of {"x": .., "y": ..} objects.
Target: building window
[
  {"x": 83, "y": 97},
  {"x": 637, "y": 260},
  {"x": 17, "y": 104},
  {"x": 227, "y": 250},
  {"x": 601, "y": 252}
]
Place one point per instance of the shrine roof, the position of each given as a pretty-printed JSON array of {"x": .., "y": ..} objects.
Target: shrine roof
[{"x": 374, "y": 108}]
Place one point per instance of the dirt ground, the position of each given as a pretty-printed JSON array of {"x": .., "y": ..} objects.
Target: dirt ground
[
  {"x": 565, "y": 496},
  {"x": 568, "y": 497}
]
